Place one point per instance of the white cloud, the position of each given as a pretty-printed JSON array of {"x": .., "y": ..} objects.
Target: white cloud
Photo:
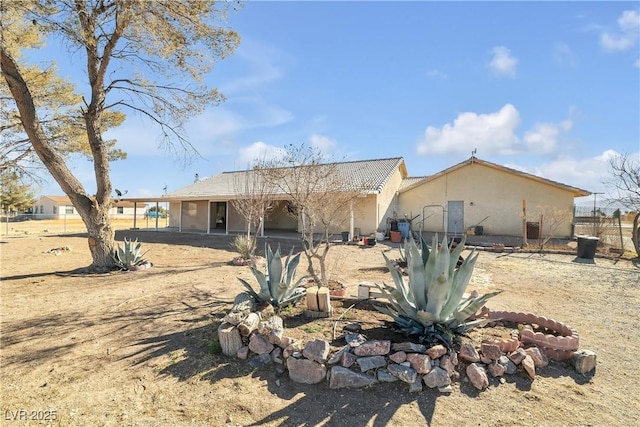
[
  {"x": 588, "y": 174},
  {"x": 503, "y": 63},
  {"x": 436, "y": 74},
  {"x": 327, "y": 146},
  {"x": 258, "y": 151},
  {"x": 493, "y": 133},
  {"x": 264, "y": 66},
  {"x": 637, "y": 63},
  {"x": 564, "y": 55},
  {"x": 627, "y": 35}
]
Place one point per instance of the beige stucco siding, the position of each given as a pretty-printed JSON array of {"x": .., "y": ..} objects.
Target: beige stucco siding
[
  {"x": 492, "y": 198},
  {"x": 387, "y": 201},
  {"x": 195, "y": 215}
]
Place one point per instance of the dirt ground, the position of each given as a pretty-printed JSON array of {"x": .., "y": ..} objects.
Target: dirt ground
[{"x": 137, "y": 349}]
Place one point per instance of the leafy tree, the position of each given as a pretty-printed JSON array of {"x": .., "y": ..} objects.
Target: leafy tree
[
  {"x": 146, "y": 57},
  {"x": 14, "y": 195},
  {"x": 625, "y": 184}
]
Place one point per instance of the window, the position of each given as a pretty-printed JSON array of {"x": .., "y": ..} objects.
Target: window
[
  {"x": 120, "y": 209},
  {"x": 68, "y": 209},
  {"x": 41, "y": 209},
  {"x": 55, "y": 209}
]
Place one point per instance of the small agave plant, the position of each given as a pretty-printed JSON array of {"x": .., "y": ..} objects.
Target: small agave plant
[
  {"x": 130, "y": 256},
  {"x": 278, "y": 286},
  {"x": 432, "y": 306}
]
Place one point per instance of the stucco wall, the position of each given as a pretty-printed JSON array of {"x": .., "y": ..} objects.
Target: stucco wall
[
  {"x": 492, "y": 194},
  {"x": 194, "y": 215},
  {"x": 387, "y": 201}
]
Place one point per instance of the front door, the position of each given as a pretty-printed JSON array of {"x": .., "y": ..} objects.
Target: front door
[
  {"x": 218, "y": 219},
  {"x": 455, "y": 218}
]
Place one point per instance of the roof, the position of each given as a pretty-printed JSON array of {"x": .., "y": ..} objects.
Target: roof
[
  {"x": 366, "y": 176},
  {"x": 577, "y": 192},
  {"x": 411, "y": 181}
]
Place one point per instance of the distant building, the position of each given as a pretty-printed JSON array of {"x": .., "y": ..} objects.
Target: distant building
[{"x": 60, "y": 207}]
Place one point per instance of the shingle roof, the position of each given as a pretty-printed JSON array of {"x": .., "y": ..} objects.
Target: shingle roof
[
  {"x": 368, "y": 176},
  {"x": 65, "y": 200},
  {"x": 410, "y": 181},
  {"x": 577, "y": 192}
]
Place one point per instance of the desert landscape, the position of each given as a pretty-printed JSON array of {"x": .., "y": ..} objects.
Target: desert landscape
[{"x": 140, "y": 348}]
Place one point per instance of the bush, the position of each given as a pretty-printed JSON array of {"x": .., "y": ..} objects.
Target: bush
[{"x": 244, "y": 246}]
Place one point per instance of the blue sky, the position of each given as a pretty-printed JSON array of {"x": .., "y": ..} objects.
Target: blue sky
[{"x": 550, "y": 88}]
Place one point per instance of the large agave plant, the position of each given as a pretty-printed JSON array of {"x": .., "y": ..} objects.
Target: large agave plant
[
  {"x": 432, "y": 306},
  {"x": 130, "y": 255},
  {"x": 278, "y": 286}
]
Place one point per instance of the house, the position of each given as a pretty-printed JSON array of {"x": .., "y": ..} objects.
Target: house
[
  {"x": 474, "y": 195},
  {"x": 60, "y": 207},
  {"x": 206, "y": 205},
  {"x": 492, "y": 198}
]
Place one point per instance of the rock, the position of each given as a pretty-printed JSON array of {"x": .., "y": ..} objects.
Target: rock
[
  {"x": 540, "y": 359},
  {"x": 492, "y": 351},
  {"x": 416, "y": 386},
  {"x": 445, "y": 389},
  {"x": 496, "y": 369},
  {"x": 286, "y": 342},
  {"x": 276, "y": 356},
  {"x": 478, "y": 376},
  {"x": 420, "y": 362},
  {"x": 317, "y": 350},
  {"x": 529, "y": 366},
  {"x": 294, "y": 347},
  {"x": 385, "y": 376},
  {"x": 259, "y": 344},
  {"x": 265, "y": 310},
  {"x": 509, "y": 366},
  {"x": 346, "y": 378},
  {"x": 405, "y": 373},
  {"x": 437, "y": 351},
  {"x": 273, "y": 328},
  {"x": 306, "y": 371},
  {"x": 484, "y": 359},
  {"x": 438, "y": 377},
  {"x": 337, "y": 356},
  {"x": 260, "y": 360},
  {"x": 517, "y": 356},
  {"x": 373, "y": 348},
  {"x": 371, "y": 362},
  {"x": 353, "y": 327},
  {"x": 354, "y": 339},
  {"x": 348, "y": 359},
  {"x": 584, "y": 361},
  {"x": 409, "y": 347},
  {"x": 398, "y": 357},
  {"x": 468, "y": 353},
  {"x": 243, "y": 352},
  {"x": 447, "y": 364},
  {"x": 454, "y": 358}
]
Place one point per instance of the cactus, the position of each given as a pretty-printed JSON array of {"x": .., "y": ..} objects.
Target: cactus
[
  {"x": 432, "y": 306},
  {"x": 130, "y": 256},
  {"x": 277, "y": 285}
]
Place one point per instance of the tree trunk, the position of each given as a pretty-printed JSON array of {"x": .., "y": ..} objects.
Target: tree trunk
[
  {"x": 93, "y": 211},
  {"x": 635, "y": 233}
]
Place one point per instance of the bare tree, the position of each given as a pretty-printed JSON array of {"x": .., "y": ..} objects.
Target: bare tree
[
  {"x": 140, "y": 56},
  {"x": 254, "y": 200},
  {"x": 320, "y": 198},
  {"x": 625, "y": 185},
  {"x": 551, "y": 219}
]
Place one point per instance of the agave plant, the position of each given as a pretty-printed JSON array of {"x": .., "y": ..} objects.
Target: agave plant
[
  {"x": 277, "y": 285},
  {"x": 432, "y": 306},
  {"x": 129, "y": 256}
]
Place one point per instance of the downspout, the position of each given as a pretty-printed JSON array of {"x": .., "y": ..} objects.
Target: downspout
[
  {"x": 135, "y": 214},
  {"x": 180, "y": 218}
]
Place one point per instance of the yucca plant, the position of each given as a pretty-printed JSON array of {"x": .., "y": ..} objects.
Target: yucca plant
[
  {"x": 243, "y": 245},
  {"x": 278, "y": 286},
  {"x": 432, "y": 306},
  {"x": 130, "y": 255}
]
